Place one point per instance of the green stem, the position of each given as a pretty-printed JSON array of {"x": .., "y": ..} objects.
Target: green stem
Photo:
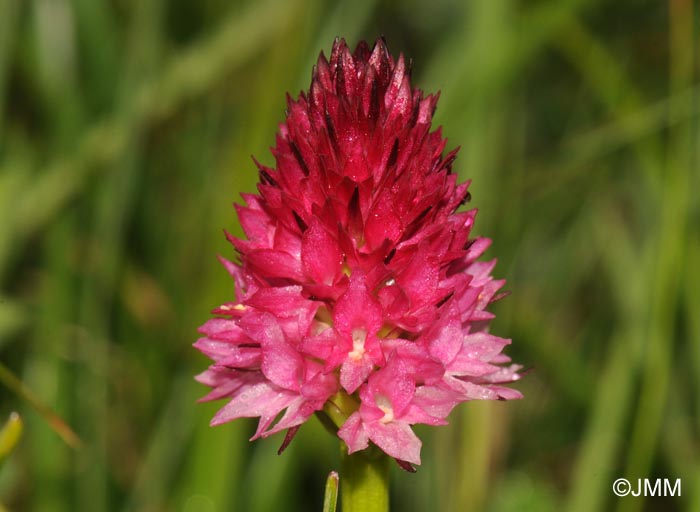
[{"x": 364, "y": 481}]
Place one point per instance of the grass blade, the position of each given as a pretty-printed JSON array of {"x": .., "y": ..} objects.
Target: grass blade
[
  {"x": 10, "y": 435},
  {"x": 330, "y": 497},
  {"x": 11, "y": 381}
]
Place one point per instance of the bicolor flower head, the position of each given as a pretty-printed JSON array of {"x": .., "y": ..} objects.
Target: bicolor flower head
[{"x": 359, "y": 294}]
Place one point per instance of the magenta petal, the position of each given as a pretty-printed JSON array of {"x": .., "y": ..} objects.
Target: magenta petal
[
  {"x": 280, "y": 362},
  {"x": 319, "y": 387},
  {"x": 446, "y": 342},
  {"x": 297, "y": 412},
  {"x": 420, "y": 277},
  {"x": 261, "y": 399},
  {"x": 466, "y": 366},
  {"x": 256, "y": 225},
  {"x": 506, "y": 393},
  {"x": 320, "y": 346},
  {"x": 483, "y": 346},
  {"x": 503, "y": 375},
  {"x": 353, "y": 373},
  {"x": 242, "y": 358},
  {"x": 435, "y": 401},
  {"x": 215, "y": 349},
  {"x": 382, "y": 224},
  {"x": 293, "y": 312},
  {"x": 226, "y": 390},
  {"x": 225, "y": 382},
  {"x": 276, "y": 263},
  {"x": 221, "y": 328},
  {"x": 471, "y": 391},
  {"x": 353, "y": 433},
  {"x": 415, "y": 414},
  {"x": 396, "y": 439},
  {"x": 395, "y": 384},
  {"x": 357, "y": 309},
  {"x": 320, "y": 254},
  {"x": 282, "y": 365}
]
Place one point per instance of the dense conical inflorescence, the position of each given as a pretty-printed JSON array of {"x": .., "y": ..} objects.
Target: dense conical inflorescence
[{"x": 358, "y": 290}]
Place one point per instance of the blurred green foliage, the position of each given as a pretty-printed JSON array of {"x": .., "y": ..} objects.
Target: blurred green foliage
[{"x": 125, "y": 134}]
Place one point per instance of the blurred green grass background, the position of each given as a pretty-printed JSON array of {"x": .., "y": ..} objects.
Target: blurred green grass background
[{"x": 126, "y": 129}]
